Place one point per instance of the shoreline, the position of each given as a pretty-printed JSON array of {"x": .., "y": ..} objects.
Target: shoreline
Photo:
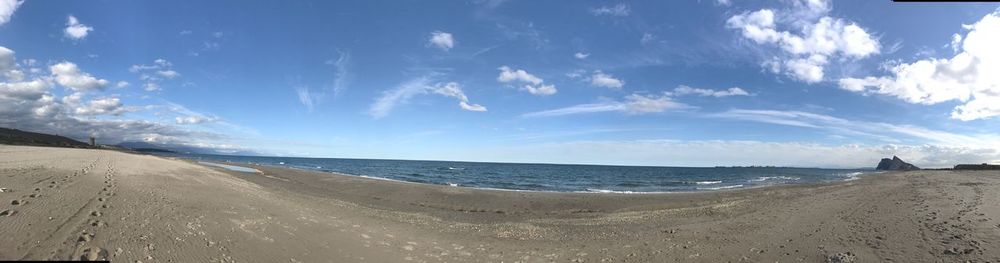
[
  {"x": 94, "y": 204},
  {"x": 256, "y": 166}
]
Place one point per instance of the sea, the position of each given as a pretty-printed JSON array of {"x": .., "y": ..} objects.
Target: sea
[{"x": 552, "y": 177}]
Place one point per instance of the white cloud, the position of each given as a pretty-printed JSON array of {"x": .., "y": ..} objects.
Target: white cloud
[
  {"x": 75, "y": 30},
  {"x": 343, "y": 76},
  {"x": 390, "y": 99},
  {"x": 540, "y": 90},
  {"x": 69, "y": 75},
  {"x": 150, "y": 86},
  {"x": 305, "y": 97},
  {"x": 686, "y": 90},
  {"x": 533, "y": 83},
  {"x": 7, "y": 61},
  {"x": 616, "y": 10},
  {"x": 601, "y": 79},
  {"x": 193, "y": 119},
  {"x": 647, "y": 38},
  {"x": 471, "y": 107},
  {"x": 121, "y": 84},
  {"x": 31, "y": 105},
  {"x": 508, "y": 75},
  {"x": 808, "y": 69},
  {"x": 818, "y": 38},
  {"x": 581, "y": 55},
  {"x": 969, "y": 77},
  {"x": 155, "y": 73},
  {"x": 633, "y": 104},
  {"x": 168, "y": 74},
  {"x": 723, "y": 2},
  {"x": 443, "y": 40},
  {"x": 7, "y": 9},
  {"x": 102, "y": 106},
  {"x": 341, "y": 79},
  {"x": 30, "y": 90}
]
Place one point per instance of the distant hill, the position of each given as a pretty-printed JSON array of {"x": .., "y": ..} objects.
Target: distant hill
[
  {"x": 19, "y": 137},
  {"x": 177, "y": 148}
]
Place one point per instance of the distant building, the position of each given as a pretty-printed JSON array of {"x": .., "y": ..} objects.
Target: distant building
[{"x": 93, "y": 142}]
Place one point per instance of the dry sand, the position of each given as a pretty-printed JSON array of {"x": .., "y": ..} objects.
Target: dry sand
[{"x": 79, "y": 204}]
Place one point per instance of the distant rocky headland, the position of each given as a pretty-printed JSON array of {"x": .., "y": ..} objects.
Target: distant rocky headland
[{"x": 895, "y": 164}]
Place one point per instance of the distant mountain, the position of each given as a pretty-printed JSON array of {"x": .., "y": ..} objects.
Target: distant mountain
[
  {"x": 176, "y": 148},
  {"x": 19, "y": 137},
  {"x": 895, "y": 164}
]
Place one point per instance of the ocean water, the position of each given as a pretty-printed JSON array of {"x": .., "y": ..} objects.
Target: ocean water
[{"x": 554, "y": 177}]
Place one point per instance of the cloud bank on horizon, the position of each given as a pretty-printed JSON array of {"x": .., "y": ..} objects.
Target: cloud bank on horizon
[{"x": 798, "y": 82}]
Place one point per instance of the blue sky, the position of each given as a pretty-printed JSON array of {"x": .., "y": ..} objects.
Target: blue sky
[{"x": 680, "y": 83}]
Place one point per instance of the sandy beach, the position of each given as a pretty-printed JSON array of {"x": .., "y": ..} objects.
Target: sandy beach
[{"x": 91, "y": 204}]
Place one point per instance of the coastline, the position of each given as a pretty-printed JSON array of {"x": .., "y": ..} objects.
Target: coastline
[
  {"x": 666, "y": 180},
  {"x": 129, "y": 207}
]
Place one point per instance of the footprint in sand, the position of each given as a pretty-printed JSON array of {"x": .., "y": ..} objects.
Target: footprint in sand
[
  {"x": 95, "y": 213},
  {"x": 17, "y": 202},
  {"x": 94, "y": 253},
  {"x": 7, "y": 213},
  {"x": 85, "y": 237}
]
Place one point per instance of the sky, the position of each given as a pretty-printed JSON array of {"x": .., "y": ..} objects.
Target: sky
[{"x": 808, "y": 83}]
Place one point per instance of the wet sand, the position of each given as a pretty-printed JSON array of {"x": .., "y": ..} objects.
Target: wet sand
[{"x": 89, "y": 204}]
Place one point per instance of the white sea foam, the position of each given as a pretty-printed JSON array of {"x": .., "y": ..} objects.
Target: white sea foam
[
  {"x": 765, "y": 178},
  {"x": 721, "y": 187},
  {"x": 852, "y": 176},
  {"x": 452, "y": 184},
  {"x": 708, "y": 182}
]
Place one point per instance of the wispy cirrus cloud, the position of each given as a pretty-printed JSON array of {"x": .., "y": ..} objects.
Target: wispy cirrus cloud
[
  {"x": 620, "y": 9},
  {"x": 390, "y": 99},
  {"x": 632, "y": 104},
  {"x": 709, "y": 153},
  {"x": 891, "y": 133}
]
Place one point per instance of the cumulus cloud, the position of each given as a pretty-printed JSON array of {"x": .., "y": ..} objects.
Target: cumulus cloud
[
  {"x": 601, "y": 79},
  {"x": 442, "y": 40},
  {"x": 29, "y": 104},
  {"x": 806, "y": 37},
  {"x": 8, "y": 65},
  {"x": 581, "y": 55},
  {"x": 7, "y": 9},
  {"x": 969, "y": 77},
  {"x": 390, "y": 99},
  {"x": 531, "y": 83},
  {"x": 687, "y": 90},
  {"x": 615, "y": 10},
  {"x": 69, "y": 75},
  {"x": 155, "y": 73},
  {"x": 632, "y": 104},
  {"x": 101, "y": 106},
  {"x": 75, "y": 30}
]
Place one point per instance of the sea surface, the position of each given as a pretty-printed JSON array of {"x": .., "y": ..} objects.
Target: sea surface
[{"x": 554, "y": 177}]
